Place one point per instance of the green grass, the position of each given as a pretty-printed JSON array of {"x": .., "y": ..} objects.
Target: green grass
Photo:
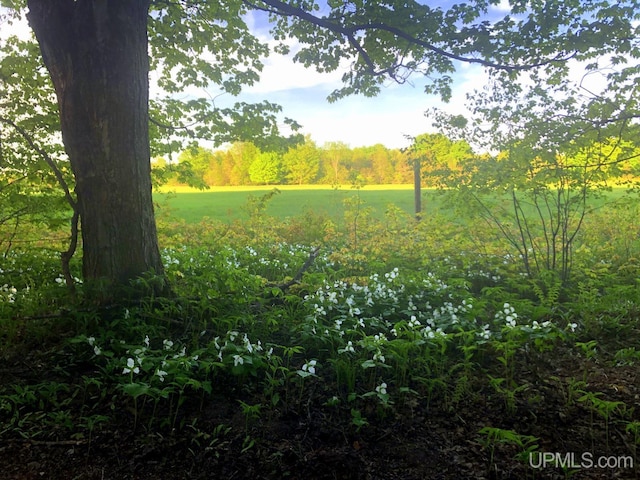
[{"x": 227, "y": 203}]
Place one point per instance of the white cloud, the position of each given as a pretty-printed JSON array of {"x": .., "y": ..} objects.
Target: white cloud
[
  {"x": 503, "y": 7},
  {"x": 282, "y": 73},
  {"x": 358, "y": 121}
]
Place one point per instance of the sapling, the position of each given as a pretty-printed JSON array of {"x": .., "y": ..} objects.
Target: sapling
[
  {"x": 357, "y": 419},
  {"x": 250, "y": 412},
  {"x": 589, "y": 350},
  {"x": 494, "y": 436},
  {"x": 605, "y": 408},
  {"x": 634, "y": 428}
]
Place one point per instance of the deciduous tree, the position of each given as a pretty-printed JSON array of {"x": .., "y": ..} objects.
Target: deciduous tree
[
  {"x": 335, "y": 158},
  {"x": 302, "y": 162},
  {"x": 32, "y": 166},
  {"x": 266, "y": 168},
  {"x": 243, "y": 155}
]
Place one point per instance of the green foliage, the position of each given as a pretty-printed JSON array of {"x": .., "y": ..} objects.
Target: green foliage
[
  {"x": 205, "y": 45},
  {"x": 605, "y": 408},
  {"x": 377, "y": 39},
  {"x": 562, "y": 143},
  {"x": 547, "y": 288},
  {"x": 30, "y": 193},
  {"x": 495, "y": 437},
  {"x": 302, "y": 162},
  {"x": 436, "y": 152},
  {"x": 358, "y": 338},
  {"x": 538, "y": 206},
  {"x": 193, "y": 165},
  {"x": 266, "y": 169}
]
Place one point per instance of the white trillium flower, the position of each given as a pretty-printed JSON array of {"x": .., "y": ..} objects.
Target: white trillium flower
[
  {"x": 310, "y": 367},
  {"x": 131, "y": 366}
]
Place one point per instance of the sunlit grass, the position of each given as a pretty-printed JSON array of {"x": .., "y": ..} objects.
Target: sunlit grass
[
  {"x": 266, "y": 188},
  {"x": 227, "y": 203}
]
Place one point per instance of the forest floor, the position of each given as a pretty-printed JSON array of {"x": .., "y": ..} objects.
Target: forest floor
[{"x": 417, "y": 439}]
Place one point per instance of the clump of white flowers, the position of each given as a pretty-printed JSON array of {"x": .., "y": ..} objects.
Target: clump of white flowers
[
  {"x": 8, "y": 293},
  {"x": 507, "y": 315},
  {"x": 96, "y": 349}
]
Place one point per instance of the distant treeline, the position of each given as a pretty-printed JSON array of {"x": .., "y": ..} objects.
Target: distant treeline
[
  {"x": 244, "y": 164},
  {"x": 442, "y": 162},
  {"x": 334, "y": 163}
]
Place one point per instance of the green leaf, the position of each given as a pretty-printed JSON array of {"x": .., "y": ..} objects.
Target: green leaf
[{"x": 135, "y": 389}]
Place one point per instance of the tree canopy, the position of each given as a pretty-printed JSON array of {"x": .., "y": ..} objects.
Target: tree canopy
[{"x": 195, "y": 46}]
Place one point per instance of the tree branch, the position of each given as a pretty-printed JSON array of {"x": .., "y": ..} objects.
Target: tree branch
[
  {"x": 45, "y": 156},
  {"x": 280, "y": 8},
  {"x": 298, "y": 276},
  {"x": 172, "y": 127},
  {"x": 65, "y": 257}
]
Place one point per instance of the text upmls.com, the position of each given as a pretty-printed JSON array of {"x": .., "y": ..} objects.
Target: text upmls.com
[{"x": 578, "y": 460}]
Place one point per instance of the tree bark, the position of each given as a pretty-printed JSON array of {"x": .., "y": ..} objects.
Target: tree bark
[{"x": 96, "y": 52}]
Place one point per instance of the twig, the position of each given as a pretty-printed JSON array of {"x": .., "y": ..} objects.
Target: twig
[
  {"x": 47, "y": 316},
  {"x": 65, "y": 257},
  {"x": 298, "y": 276},
  {"x": 52, "y": 443}
]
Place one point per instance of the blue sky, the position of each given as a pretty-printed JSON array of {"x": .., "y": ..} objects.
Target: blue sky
[
  {"x": 356, "y": 120},
  {"x": 399, "y": 110}
]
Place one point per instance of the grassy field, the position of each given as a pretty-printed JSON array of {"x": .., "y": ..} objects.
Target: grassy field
[{"x": 229, "y": 203}]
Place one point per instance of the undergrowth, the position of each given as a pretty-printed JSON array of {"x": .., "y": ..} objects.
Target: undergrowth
[{"x": 361, "y": 322}]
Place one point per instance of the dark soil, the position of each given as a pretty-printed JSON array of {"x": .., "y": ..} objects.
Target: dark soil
[{"x": 413, "y": 439}]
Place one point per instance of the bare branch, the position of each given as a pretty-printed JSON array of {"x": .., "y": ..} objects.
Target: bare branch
[
  {"x": 45, "y": 156},
  {"x": 65, "y": 257},
  {"x": 173, "y": 127}
]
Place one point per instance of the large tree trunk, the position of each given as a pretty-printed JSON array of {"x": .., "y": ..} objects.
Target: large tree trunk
[{"x": 96, "y": 53}]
